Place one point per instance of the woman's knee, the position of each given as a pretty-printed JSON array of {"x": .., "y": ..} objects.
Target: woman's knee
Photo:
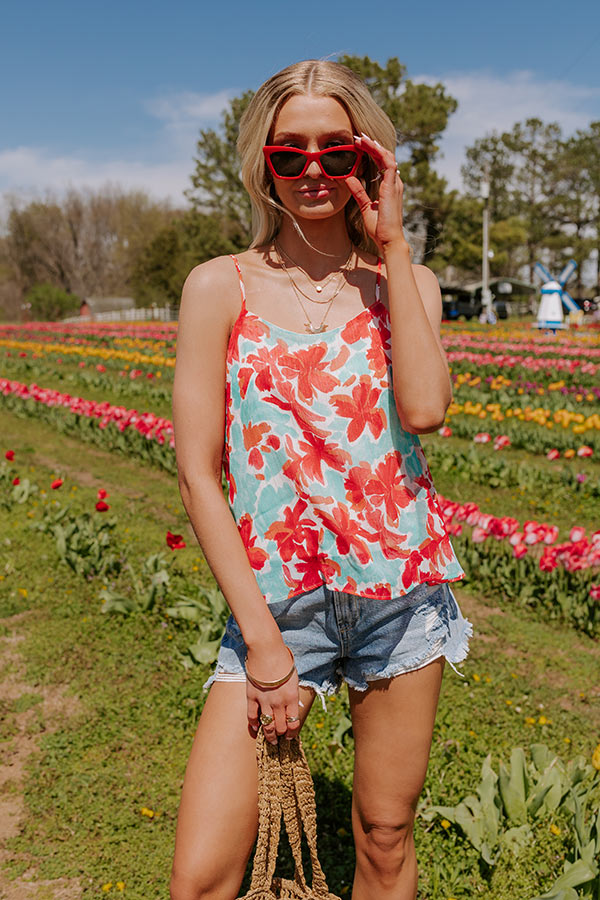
[
  {"x": 384, "y": 844},
  {"x": 205, "y": 884}
]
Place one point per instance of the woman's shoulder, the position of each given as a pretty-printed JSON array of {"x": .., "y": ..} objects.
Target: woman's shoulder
[
  {"x": 211, "y": 289},
  {"x": 215, "y": 274}
]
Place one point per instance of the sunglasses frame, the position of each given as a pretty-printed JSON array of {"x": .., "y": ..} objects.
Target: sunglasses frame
[{"x": 269, "y": 149}]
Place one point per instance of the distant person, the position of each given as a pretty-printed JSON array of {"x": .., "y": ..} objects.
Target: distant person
[{"x": 309, "y": 365}]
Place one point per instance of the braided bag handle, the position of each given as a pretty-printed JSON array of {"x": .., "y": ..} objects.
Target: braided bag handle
[{"x": 285, "y": 788}]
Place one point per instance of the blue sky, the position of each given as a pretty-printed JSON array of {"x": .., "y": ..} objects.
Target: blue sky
[{"x": 117, "y": 91}]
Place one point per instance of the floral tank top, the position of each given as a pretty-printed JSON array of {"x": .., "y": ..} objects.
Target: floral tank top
[{"x": 325, "y": 485}]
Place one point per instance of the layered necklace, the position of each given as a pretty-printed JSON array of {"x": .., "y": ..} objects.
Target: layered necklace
[{"x": 310, "y": 326}]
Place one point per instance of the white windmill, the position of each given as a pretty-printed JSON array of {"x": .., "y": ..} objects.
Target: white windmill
[{"x": 554, "y": 297}]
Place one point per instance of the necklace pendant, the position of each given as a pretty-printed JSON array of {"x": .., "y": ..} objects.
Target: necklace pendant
[
  {"x": 318, "y": 288},
  {"x": 314, "y": 329}
]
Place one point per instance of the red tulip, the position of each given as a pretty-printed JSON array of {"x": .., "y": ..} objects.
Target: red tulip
[
  {"x": 548, "y": 561},
  {"x": 16, "y": 480},
  {"x": 444, "y": 431},
  {"x": 482, "y": 438},
  {"x": 102, "y": 494},
  {"x": 101, "y": 506},
  {"x": 595, "y": 591},
  {"x": 56, "y": 483},
  {"x": 553, "y": 454},
  {"x": 577, "y": 534},
  {"x": 585, "y": 451},
  {"x": 519, "y": 550},
  {"x": 10, "y": 455},
  {"x": 175, "y": 541},
  {"x": 478, "y": 535}
]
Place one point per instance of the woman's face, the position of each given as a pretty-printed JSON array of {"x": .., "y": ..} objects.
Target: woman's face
[{"x": 312, "y": 123}]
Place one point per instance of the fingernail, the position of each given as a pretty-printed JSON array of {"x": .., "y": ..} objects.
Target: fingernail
[{"x": 357, "y": 137}]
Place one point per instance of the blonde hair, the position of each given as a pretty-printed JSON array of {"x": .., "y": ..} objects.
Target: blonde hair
[{"x": 320, "y": 78}]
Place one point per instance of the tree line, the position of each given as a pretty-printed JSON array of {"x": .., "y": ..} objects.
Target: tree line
[{"x": 544, "y": 204}]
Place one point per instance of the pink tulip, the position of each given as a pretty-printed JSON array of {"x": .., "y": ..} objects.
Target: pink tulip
[
  {"x": 478, "y": 535},
  {"x": 519, "y": 550},
  {"x": 585, "y": 451},
  {"x": 482, "y": 438},
  {"x": 553, "y": 454},
  {"x": 445, "y": 431},
  {"x": 576, "y": 534}
]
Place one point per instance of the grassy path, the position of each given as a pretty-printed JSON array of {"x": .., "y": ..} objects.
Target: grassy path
[{"x": 98, "y": 713}]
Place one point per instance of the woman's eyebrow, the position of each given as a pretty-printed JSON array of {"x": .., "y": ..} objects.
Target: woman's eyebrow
[{"x": 342, "y": 134}]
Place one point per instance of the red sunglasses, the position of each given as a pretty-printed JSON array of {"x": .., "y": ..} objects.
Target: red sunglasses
[{"x": 334, "y": 162}]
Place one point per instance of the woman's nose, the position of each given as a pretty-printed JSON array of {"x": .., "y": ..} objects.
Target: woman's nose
[{"x": 314, "y": 170}]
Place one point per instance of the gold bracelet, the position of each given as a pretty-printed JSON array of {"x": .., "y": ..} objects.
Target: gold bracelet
[{"x": 271, "y": 684}]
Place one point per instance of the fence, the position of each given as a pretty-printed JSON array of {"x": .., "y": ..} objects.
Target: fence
[{"x": 137, "y": 314}]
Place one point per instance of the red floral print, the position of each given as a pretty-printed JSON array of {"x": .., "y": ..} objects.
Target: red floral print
[
  {"x": 361, "y": 409},
  {"x": 324, "y": 483},
  {"x": 310, "y": 370}
]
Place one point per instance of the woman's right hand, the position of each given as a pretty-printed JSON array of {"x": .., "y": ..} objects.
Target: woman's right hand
[{"x": 269, "y": 664}]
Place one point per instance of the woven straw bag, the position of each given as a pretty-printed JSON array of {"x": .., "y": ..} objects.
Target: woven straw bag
[{"x": 285, "y": 788}]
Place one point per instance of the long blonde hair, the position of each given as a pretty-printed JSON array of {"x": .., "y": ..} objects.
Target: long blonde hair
[{"x": 320, "y": 78}]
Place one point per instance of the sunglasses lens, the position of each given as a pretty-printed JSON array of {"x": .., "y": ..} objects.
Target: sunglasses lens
[
  {"x": 339, "y": 162},
  {"x": 287, "y": 163}
]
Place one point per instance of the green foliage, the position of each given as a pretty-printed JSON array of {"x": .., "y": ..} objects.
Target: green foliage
[
  {"x": 143, "y": 592},
  {"x": 187, "y": 241},
  {"x": 510, "y": 804},
  {"x": 208, "y": 610},
  {"x": 217, "y": 188},
  {"x": 84, "y": 542},
  {"x": 49, "y": 303}
]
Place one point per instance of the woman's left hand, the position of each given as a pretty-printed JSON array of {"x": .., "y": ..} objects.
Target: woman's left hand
[{"x": 382, "y": 217}]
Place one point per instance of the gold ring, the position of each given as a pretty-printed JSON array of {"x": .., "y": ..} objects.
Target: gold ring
[
  {"x": 292, "y": 718},
  {"x": 265, "y": 719}
]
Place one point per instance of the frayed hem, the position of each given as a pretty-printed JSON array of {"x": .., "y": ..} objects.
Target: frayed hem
[
  {"x": 454, "y": 651},
  {"x": 321, "y": 692}
]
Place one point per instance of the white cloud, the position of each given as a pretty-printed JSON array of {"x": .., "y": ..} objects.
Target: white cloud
[
  {"x": 488, "y": 102},
  {"x": 30, "y": 170},
  {"x": 183, "y": 114}
]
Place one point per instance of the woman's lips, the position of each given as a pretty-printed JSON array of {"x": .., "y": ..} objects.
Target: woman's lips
[{"x": 315, "y": 193}]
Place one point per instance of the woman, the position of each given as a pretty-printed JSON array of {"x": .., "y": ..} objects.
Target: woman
[{"x": 335, "y": 562}]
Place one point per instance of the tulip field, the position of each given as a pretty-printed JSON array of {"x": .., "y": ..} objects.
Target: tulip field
[{"x": 115, "y": 602}]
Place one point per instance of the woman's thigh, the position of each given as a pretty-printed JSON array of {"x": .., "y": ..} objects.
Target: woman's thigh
[
  {"x": 218, "y": 812},
  {"x": 392, "y": 722}
]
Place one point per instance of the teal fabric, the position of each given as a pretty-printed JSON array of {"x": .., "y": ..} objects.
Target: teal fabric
[{"x": 325, "y": 485}]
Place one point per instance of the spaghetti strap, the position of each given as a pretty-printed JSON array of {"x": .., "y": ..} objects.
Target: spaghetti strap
[
  {"x": 378, "y": 281},
  {"x": 242, "y": 286}
]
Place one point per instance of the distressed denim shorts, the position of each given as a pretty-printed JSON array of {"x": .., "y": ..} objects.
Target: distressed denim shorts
[{"x": 336, "y": 636}]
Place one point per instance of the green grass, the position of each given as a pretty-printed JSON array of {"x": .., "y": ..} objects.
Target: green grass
[{"x": 126, "y": 745}]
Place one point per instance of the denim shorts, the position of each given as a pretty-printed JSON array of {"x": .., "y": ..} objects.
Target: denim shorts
[{"x": 337, "y": 636}]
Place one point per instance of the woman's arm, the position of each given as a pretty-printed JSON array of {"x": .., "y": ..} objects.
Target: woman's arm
[
  {"x": 207, "y": 309},
  {"x": 421, "y": 381}
]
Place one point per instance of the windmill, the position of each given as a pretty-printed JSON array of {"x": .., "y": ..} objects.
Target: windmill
[{"x": 554, "y": 297}]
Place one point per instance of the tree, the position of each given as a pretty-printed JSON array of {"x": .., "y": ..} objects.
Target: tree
[
  {"x": 419, "y": 112},
  {"x": 217, "y": 188},
  {"x": 84, "y": 243},
  {"x": 49, "y": 303},
  {"x": 534, "y": 148},
  {"x": 162, "y": 267}
]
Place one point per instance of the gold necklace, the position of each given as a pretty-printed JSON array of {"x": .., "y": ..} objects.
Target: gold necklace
[
  {"x": 317, "y": 287},
  {"x": 309, "y": 326}
]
